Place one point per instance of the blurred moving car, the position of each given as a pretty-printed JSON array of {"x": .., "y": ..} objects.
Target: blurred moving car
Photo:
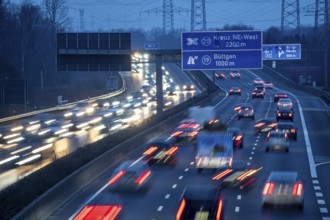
[
  {"x": 280, "y": 94},
  {"x": 238, "y": 137},
  {"x": 258, "y": 81},
  {"x": 186, "y": 132},
  {"x": 235, "y": 74},
  {"x": 284, "y": 103},
  {"x": 268, "y": 85},
  {"x": 189, "y": 86},
  {"x": 131, "y": 176},
  {"x": 200, "y": 202},
  {"x": 220, "y": 76},
  {"x": 235, "y": 90},
  {"x": 283, "y": 188},
  {"x": 289, "y": 128},
  {"x": 99, "y": 212},
  {"x": 235, "y": 178},
  {"x": 258, "y": 94},
  {"x": 277, "y": 140},
  {"x": 284, "y": 113},
  {"x": 246, "y": 111},
  {"x": 265, "y": 125},
  {"x": 161, "y": 151}
]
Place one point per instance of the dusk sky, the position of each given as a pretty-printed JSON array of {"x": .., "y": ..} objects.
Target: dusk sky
[{"x": 108, "y": 14}]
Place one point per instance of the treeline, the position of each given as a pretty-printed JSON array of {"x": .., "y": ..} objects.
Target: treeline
[{"x": 28, "y": 31}]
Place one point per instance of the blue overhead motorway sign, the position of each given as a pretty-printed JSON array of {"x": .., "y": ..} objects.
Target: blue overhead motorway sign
[
  {"x": 281, "y": 52},
  {"x": 221, "y": 50}
]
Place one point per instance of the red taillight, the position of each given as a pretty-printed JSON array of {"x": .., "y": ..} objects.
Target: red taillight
[
  {"x": 278, "y": 114},
  {"x": 253, "y": 93},
  {"x": 193, "y": 134},
  {"x": 239, "y": 137},
  {"x": 293, "y": 130},
  {"x": 268, "y": 189},
  {"x": 99, "y": 212},
  {"x": 177, "y": 133},
  {"x": 239, "y": 90},
  {"x": 297, "y": 189},
  {"x": 219, "y": 210},
  {"x": 180, "y": 210},
  {"x": 222, "y": 174},
  {"x": 240, "y": 111},
  {"x": 172, "y": 150},
  {"x": 150, "y": 150},
  {"x": 290, "y": 114},
  {"x": 117, "y": 177},
  {"x": 143, "y": 177},
  {"x": 259, "y": 125},
  {"x": 237, "y": 108},
  {"x": 231, "y": 90}
]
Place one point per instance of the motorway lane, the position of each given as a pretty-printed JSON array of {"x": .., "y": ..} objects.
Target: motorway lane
[{"x": 156, "y": 204}]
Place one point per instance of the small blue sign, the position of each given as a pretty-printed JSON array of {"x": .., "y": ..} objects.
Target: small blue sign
[
  {"x": 281, "y": 52},
  {"x": 221, "y": 50},
  {"x": 152, "y": 46},
  {"x": 222, "y": 40},
  {"x": 214, "y": 60}
]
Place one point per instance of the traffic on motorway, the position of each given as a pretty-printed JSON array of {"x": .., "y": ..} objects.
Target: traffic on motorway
[
  {"x": 235, "y": 159},
  {"x": 29, "y": 144}
]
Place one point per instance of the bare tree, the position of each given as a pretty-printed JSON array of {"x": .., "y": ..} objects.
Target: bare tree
[{"x": 57, "y": 14}]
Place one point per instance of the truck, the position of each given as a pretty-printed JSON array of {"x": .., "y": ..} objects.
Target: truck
[
  {"x": 202, "y": 115},
  {"x": 214, "y": 150}
]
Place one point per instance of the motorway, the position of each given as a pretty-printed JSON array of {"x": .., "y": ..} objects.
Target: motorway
[
  {"x": 63, "y": 146},
  {"x": 309, "y": 156}
]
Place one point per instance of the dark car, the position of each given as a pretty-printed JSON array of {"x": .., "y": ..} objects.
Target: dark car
[
  {"x": 200, "y": 202},
  {"x": 130, "y": 176},
  {"x": 258, "y": 93},
  {"x": 235, "y": 91},
  {"x": 238, "y": 137},
  {"x": 235, "y": 74},
  {"x": 265, "y": 125},
  {"x": 289, "y": 128},
  {"x": 186, "y": 132},
  {"x": 283, "y": 188},
  {"x": 161, "y": 151},
  {"x": 284, "y": 113},
  {"x": 279, "y": 95},
  {"x": 246, "y": 111},
  {"x": 220, "y": 76}
]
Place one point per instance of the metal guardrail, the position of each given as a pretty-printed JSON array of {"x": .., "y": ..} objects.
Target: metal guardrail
[
  {"x": 324, "y": 95},
  {"x": 65, "y": 106}
]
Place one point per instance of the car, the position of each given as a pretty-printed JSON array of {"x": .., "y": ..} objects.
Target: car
[
  {"x": 265, "y": 125},
  {"x": 268, "y": 85},
  {"x": 280, "y": 94},
  {"x": 200, "y": 202},
  {"x": 171, "y": 91},
  {"x": 238, "y": 137},
  {"x": 277, "y": 140},
  {"x": 260, "y": 86},
  {"x": 215, "y": 125},
  {"x": 246, "y": 111},
  {"x": 189, "y": 86},
  {"x": 234, "y": 74},
  {"x": 103, "y": 211},
  {"x": 131, "y": 176},
  {"x": 284, "y": 103},
  {"x": 220, "y": 76},
  {"x": 283, "y": 188},
  {"x": 186, "y": 132},
  {"x": 235, "y": 177},
  {"x": 285, "y": 113},
  {"x": 235, "y": 91},
  {"x": 289, "y": 128},
  {"x": 258, "y": 94},
  {"x": 258, "y": 81},
  {"x": 161, "y": 151}
]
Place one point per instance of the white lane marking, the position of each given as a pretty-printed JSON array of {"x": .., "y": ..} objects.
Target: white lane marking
[
  {"x": 174, "y": 186},
  {"x": 250, "y": 158},
  {"x": 318, "y": 194},
  {"x": 257, "y": 140},
  {"x": 326, "y": 218},
  {"x": 236, "y": 209},
  {"x": 255, "y": 144},
  {"x": 185, "y": 170},
  {"x": 316, "y": 182},
  {"x": 180, "y": 177},
  {"x": 253, "y": 148},
  {"x": 258, "y": 137},
  {"x": 248, "y": 164},
  {"x": 306, "y": 135},
  {"x": 323, "y": 210},
  {"x": 252, "y": 152},
  {"x": 321, "y": 202},
  {"x": 167, "y": 196},
  {"x": 160, "y": 208},
  {"x": 239, "y": 197},
  {"x": 192, "y": 163},
  {"x": 317, "y": 188}
]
